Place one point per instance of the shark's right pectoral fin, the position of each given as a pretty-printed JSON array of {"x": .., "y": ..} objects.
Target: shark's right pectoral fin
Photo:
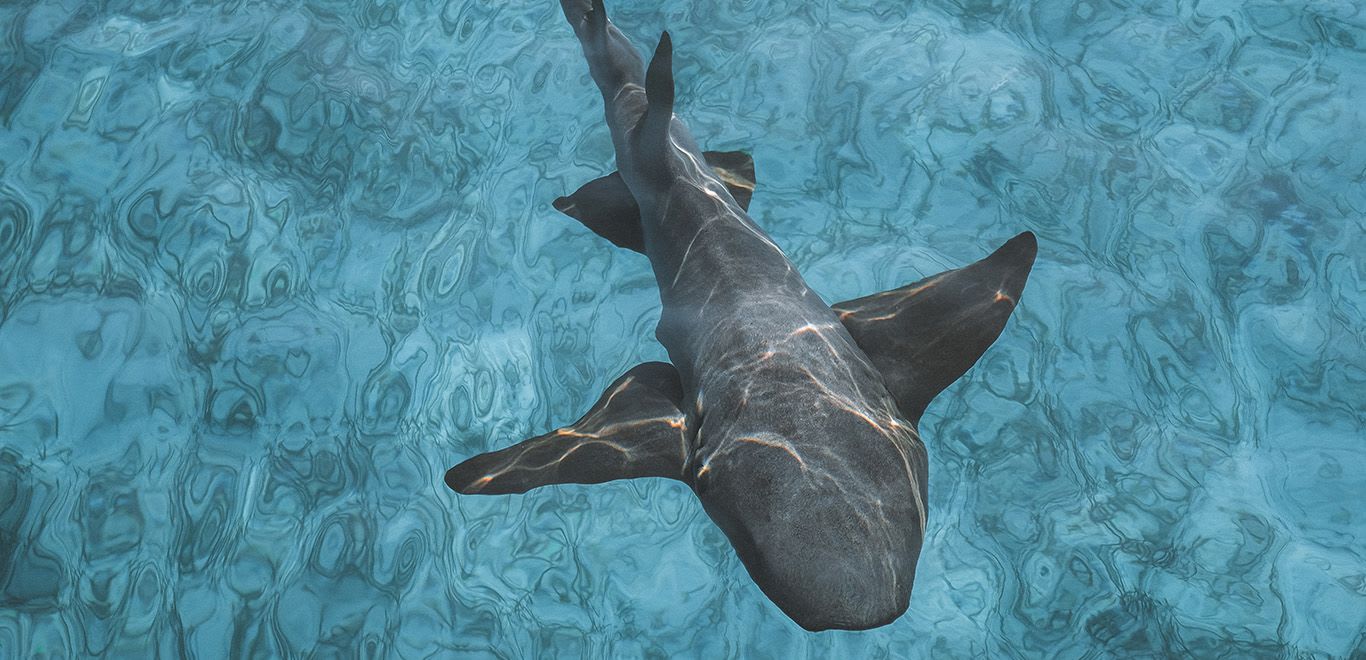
[
  {"x": 605, "y": 204},
  {"x": 924, "y": 335},
  {"x": 635, "y": 430}
]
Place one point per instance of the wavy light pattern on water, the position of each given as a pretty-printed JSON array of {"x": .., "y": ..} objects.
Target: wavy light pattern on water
[{"x": 266, "y": 270}]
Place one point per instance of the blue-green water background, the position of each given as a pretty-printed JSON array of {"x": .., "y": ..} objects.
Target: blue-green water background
[{"x": 266, "y": 270}]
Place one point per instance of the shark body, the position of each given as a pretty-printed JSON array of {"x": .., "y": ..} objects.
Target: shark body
[{"x": 793, "y": 421}]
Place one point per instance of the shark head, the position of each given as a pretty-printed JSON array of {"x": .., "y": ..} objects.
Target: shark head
[{"x": 824, "y": 502}]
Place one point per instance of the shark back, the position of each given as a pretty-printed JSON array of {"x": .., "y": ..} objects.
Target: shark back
[{"x": 795, "y": 423}]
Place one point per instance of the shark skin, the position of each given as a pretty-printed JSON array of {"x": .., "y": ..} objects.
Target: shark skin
[{"x": 794, "y": 422}]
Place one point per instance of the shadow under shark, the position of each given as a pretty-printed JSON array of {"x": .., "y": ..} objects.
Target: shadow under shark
[{"x": 794, "y": 422}]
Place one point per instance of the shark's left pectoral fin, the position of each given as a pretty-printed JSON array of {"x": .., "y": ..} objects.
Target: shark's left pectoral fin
[
  {"x": 635, "y": 430},
  {"x": 605, "y": 205},
  {"x": 923, "y": 336}
]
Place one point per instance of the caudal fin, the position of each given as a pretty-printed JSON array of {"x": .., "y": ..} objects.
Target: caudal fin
[
  {"x": 925, "y": 335},
  {"x": 634, "y": 430}
]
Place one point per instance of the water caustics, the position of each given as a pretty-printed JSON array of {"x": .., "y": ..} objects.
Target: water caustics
[
  {"x": 265, "y": 271},
  {"x": 831, "y": 524}
]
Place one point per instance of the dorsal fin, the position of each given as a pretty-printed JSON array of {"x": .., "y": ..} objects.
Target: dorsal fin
[
  {"x": 605, "y": 204},
  {"x": 634, "y": 430},
  {"x": 659, "y": 98},
  {"x": 925, "y": 335},
  {"x": 597, "y": 18}
]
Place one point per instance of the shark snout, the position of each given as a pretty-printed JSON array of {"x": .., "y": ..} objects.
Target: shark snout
[{"x": 832, "y": 597}]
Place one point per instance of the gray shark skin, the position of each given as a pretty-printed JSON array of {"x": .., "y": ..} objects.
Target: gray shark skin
[{"x": 794, "y": 422}]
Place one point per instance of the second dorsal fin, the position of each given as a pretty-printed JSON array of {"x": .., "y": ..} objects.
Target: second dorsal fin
[{"x": 605, "y": 204}]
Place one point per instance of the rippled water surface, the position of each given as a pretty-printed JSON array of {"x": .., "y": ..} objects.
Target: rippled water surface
[{"x": 267, "y": 270}]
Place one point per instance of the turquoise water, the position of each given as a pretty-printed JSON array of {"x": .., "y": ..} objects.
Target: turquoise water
[{"x": 267, "y": 270}]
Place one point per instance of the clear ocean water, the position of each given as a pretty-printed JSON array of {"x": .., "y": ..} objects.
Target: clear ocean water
[{"x": 268, "y": 269}]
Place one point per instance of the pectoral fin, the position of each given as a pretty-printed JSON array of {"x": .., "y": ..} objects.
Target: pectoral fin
[
  {"x": 925, "y": 335},
  {"x": 605, "y": 204},
  {"x": 634, "y": 430}
]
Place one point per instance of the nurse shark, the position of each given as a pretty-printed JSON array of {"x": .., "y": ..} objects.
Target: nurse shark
[{"x": 793, "y": 421}]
